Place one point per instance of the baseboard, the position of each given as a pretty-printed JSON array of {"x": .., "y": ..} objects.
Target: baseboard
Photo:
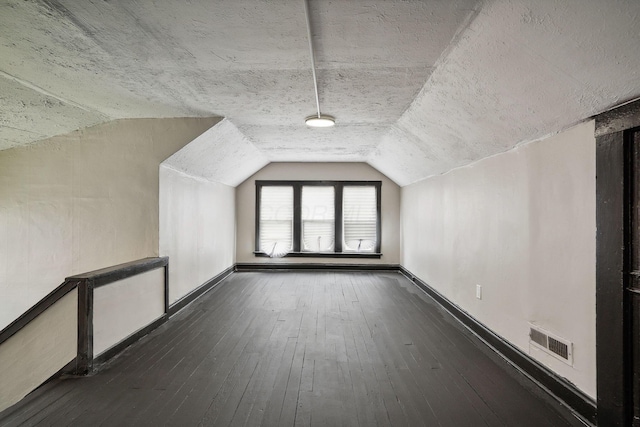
[
  {"x": 112, "y": 351},
  {"x": 280, "y": 266},
  {"x": 200, "y": 290},
  {"x": 557, "y": 386}
]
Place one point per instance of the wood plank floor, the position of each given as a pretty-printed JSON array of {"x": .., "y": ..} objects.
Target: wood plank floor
[{"x": 284, "y": 349}]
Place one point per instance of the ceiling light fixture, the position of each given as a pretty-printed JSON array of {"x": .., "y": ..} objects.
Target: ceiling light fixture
[{"x": 317, "y": 120}]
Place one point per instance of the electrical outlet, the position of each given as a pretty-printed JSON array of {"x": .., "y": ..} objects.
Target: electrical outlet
[{"x": 478, "y": 291}]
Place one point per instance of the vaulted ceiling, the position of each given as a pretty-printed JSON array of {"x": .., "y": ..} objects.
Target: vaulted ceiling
[{"x": 418, "y": 87}]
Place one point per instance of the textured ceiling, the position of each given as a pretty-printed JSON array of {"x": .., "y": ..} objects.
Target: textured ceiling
[
  {"x": 222, "y": 141},
  {"x": 417, "y": 87}
]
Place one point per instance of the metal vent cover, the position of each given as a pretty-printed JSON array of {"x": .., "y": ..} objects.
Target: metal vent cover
[
  {"x": 551, "y": 344},
  {"x": 538, "y": 337}
]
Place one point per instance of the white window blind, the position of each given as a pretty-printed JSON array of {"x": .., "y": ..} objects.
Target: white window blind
[
  {"x": 276, "y": 219},
  {"x": 360, "y": 218},
  {"x": 318, "y": 219}
]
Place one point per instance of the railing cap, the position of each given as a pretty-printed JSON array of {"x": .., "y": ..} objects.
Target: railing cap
[{"x": 114, "y": 273}]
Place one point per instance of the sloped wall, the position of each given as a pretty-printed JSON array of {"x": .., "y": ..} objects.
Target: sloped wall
[
  {"x": 522, "y": 225},
  {"x": 197, "y": 229},
  {"x": 81, "y": 201}
]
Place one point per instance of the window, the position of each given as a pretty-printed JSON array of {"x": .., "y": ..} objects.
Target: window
[
  {"x": 318, "y": 218},
  {"x": 276, "y": 220},
  {"x": 360, "y": 218}
]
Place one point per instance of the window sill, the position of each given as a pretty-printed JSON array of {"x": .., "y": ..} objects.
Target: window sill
[{"x": 324, "y": 255}]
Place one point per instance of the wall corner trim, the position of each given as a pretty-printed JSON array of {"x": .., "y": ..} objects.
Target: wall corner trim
[{"x": 558, "y": 387}]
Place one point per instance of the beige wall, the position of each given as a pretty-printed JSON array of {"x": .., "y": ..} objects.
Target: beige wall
[
  {"x": 126, "y": 306},
  {"x": 522, "y": 225},
  {"x": 197, "y": 229},
  {"x": 81, "y": 201},
  {"x": 245, "y": 199},
  {"x": 39, "y": 350}
]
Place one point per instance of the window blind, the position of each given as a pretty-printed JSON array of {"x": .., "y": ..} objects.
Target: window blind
[
  {"x": 318, "y": 218},
  {"x": 276, "y": 219},
  {"x": 359, "y": 218}
]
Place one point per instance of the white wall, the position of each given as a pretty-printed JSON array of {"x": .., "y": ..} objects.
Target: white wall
[
  {"x": 80, "y": 202},
  {"x": 39, "y": 350},
  {"x": 522, "y": 225},
  {"x": 126, "y": 306},
  {"x": 197, "y": 229},
  {"x": 246, "y": 200}
]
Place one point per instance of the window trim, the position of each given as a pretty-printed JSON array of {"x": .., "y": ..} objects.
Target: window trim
[{"x": 297, "y": 218}]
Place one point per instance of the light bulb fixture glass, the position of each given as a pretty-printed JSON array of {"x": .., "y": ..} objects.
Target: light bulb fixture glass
[{"x": 320, "y": 121}]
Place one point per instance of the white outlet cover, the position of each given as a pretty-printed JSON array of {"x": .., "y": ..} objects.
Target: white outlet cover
[{"x": 479, "y": 291}]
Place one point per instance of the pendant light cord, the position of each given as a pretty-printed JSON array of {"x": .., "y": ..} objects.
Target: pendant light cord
[{"x": 313, "y": 62}]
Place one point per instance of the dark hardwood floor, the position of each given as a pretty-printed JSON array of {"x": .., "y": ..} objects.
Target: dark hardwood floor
[{"x": 282, "y": 349}]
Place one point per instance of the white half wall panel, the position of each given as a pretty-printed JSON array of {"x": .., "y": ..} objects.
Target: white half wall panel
[
  {"x": 126, "y": 306},
  {"x": 39, "y": 350}
]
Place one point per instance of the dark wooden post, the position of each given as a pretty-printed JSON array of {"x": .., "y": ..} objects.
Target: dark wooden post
[
  {"x": 84, "y": 362},
  {"x": 610, "y": 221},
  {"x": 614, "y": 338}
]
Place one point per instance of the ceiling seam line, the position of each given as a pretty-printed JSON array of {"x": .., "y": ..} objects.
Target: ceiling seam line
[{"x": 52, "y": 95}]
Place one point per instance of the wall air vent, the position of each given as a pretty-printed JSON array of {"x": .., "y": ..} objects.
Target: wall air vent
[{"x": 552, "y": 344}]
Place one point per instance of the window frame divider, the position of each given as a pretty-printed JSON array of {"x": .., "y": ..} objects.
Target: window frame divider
[
  {"x": 297, "y": 216},
  {"x": 337, "y": 204}
]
